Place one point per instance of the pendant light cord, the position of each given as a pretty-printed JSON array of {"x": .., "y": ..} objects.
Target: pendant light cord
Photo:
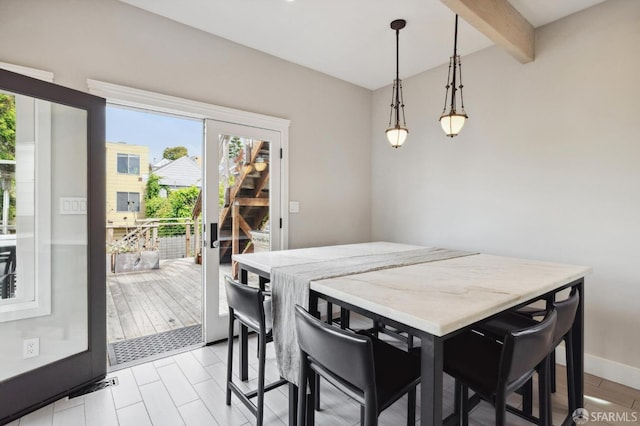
[
  {"x": 397, "y": 83},
  {"x": 455, "y": 63}
]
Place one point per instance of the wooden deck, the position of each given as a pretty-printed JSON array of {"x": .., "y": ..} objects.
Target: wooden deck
[{"x": 144, "y": 303}]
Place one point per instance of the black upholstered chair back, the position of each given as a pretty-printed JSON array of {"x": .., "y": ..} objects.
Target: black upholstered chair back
[
  {"x": 566, "y": 309},
  {"x": 347, "y": 356},
  {"x": 524, "y": 349},
  {"x": 246, "y": 302}
]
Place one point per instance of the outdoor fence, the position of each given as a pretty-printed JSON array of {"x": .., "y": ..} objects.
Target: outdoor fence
[
  {"x": 172, "y": 238},
  {"x": 175, "y": 247}
]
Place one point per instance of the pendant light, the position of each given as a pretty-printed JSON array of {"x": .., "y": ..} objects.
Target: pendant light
[
  {"x": 260, "y": 165},
  {"x": 453, "y": 121},
  {"x": 396, "y": 133}
]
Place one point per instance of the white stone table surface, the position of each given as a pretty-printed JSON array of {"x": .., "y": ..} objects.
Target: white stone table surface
[
  {"x": 443, "y": 296},
  {"x": 266, "y": 260}
]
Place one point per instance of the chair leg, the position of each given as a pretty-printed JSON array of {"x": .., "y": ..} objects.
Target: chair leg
[
  {"x": 311, "y": 405},
  {"x": 464, "y": 404},
  {"x": 258, "y": 348},
  {"x": 552, "y": 371},
  {"x": 527, "y": 397},
  {"x": 461, "y": 403},
  {"x": 411, "y": 407},
  {"x": 316, "y": 393},
  {"x": 370, "y": 411},
  {"x": 457, "y": 394},
  {"x": 544, "y": 393},
  {"x": 243, "y": 353},
  {"x": 501, "y": 409},
  {"x": 293, "y": 405},
  {"x": 302, "y": 391},
  {"x": 230, "y": 356},
  {"x": 571, "y": 377},
  {"x": 262, "y": 347}
]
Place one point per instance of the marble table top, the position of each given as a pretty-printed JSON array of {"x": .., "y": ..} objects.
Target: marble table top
[
  {"x": 436, "y": 297},
  {"x": 444, "y": 296},
  {"x": 273, "y": 259}
]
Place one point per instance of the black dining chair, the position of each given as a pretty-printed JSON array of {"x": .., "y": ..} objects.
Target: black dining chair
[
  {"x": 248, "y": 306},
  {"x": 372, "y": 372},
  {"x": 494, "y": 370},
  {"x": 566, "y": 309}
]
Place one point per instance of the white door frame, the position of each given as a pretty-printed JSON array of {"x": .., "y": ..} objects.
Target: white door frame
[
  {"x": 211, "y": 214},
  {"x": 214, "y": 328}
]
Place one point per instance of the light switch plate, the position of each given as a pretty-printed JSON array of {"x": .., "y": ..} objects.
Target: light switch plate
[
  {"x": 73, "y": 205},
  {"x": 294, "y": 207}
]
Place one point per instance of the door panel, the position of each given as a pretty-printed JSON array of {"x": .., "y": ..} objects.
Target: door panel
[
  {"x": 52, "y": 244},
  {"x": 242, "y": 206}
]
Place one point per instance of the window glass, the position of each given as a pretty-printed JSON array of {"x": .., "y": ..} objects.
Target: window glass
[
  {"x": 128, "y": 201},
  {"x": 134, "y": 201},
  {"x": 129, "y": 164},
  {"x": 123, "y": 201},
  {"x": 123, "y": 163},
  {"x": 134, "y": 165}
]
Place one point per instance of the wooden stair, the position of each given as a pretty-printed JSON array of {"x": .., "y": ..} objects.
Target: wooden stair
[{"x": 246, "y": 208}]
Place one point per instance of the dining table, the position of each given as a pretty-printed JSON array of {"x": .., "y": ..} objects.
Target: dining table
[{"x": 432, "y": 298}]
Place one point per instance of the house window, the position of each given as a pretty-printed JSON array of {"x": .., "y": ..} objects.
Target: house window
[
  {"x": 129, "y": 164},
  {"x": 128, "y": 201}
]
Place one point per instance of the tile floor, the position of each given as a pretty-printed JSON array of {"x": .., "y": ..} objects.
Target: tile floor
[{"x": 188, "y": 389}]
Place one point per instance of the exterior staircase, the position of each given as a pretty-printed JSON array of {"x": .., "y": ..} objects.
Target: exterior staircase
[{"x": 245, "y": 208}]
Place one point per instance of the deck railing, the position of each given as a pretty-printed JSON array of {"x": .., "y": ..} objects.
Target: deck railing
[{"x": 147, "y": 234}]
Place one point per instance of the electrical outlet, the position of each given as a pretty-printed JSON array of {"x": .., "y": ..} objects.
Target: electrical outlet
[{"x": 31, "y": 347}]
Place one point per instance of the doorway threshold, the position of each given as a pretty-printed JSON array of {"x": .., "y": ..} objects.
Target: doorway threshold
[{"x": 154, "y": 346}]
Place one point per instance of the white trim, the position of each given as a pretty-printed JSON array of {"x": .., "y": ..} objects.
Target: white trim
[
  {"x": 137, "y": 98},
  {"x": 128, "y": 96},
  {"x": 284, "y": 188},
  {"x": 30, "y": 72},
  {"x": 605, "y": 368}
]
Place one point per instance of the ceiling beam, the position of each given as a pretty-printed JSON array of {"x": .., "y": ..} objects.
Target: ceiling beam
[{"x": 499, "y": 21}]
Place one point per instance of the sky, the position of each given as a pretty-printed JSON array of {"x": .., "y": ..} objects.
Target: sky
[{"x": 157, "y": 131}]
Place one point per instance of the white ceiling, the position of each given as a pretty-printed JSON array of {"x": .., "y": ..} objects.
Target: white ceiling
[{"x": 348, "y": 39}]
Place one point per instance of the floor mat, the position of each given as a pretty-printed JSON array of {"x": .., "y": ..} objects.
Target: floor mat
[{"x": 146, "y": 346}]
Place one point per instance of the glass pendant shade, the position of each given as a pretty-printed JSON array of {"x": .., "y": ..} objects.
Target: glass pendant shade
[
  {"x": 452, "y": 123},
  {"x": 396, "y": 136},
  {"x": 260, "y": 165}
]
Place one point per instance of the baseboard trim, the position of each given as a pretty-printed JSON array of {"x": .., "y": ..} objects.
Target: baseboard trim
[{"x": 611, "y": 370}]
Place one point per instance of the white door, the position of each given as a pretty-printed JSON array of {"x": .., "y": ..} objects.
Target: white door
[{"x": 242, "y": 207}]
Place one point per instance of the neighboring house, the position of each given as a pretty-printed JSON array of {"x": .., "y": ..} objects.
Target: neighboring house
[
  {"x": 124, "y": 180},
  {"x": 181, "y": 173},
  {"x": 161, "y": 163}
]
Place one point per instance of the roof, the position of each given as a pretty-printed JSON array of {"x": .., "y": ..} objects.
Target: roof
[
  {"x": 180, "y": 173},
  {"x": 161, "y": 163}
]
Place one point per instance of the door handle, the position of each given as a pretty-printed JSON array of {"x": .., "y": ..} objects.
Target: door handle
[{"x": 214, "y": 236}]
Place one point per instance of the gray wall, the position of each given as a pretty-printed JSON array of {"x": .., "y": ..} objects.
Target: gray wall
[
  {"x": 110, "y": 41},
  {"x": 547, "y": 167}
]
